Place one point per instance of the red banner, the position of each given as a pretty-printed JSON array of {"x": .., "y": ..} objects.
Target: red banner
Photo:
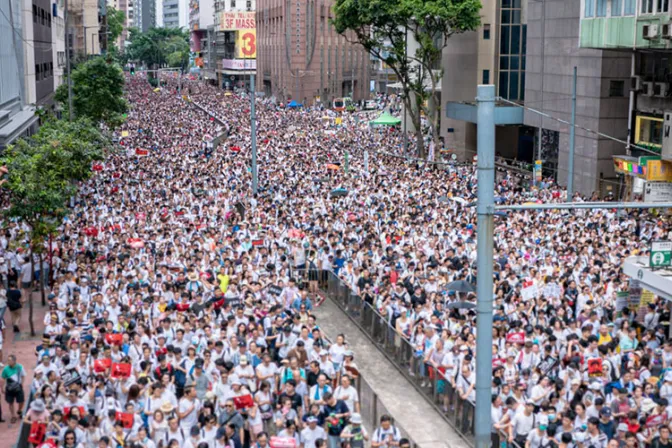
[
  {"x": 100, "y": 365},
  {"x": 66, "y": 411},
  {"x": 516, "y": 338},
  {"x": 257, "y": 242},
  {"x": 136, "y": 243},
  {"x": 114, "y": 338},
  {"x": 120, "y": 370},
  {"x": 141, "y": 152},
  {"x": 125, "y": 418},
  {"x": 37, "y": 433}
]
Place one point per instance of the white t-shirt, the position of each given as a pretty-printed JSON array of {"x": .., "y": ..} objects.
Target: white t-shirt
[
  {"x": 309, "y": 436},
  {"x": 192, "y": 418},
  {"x": 352, "y": 397}
]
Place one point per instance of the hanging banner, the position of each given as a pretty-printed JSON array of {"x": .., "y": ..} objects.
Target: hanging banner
[
  {"x": 234, "y": 21},
  {"x": 246, "y": 44}
]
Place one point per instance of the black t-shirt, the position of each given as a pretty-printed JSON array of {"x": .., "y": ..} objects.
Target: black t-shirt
[
  {"x": 14, "y": 299},
  {"x": 656, "y": 443},
  {"x": 335, "y": 426},
  {"x": 296, "y": 400}
]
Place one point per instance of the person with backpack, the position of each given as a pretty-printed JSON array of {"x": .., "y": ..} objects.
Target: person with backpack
[{"x": 386, "y": 435}]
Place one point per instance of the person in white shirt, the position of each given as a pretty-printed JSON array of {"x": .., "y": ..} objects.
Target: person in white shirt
[
  {"x": 311, "y": 433},
  {"x": 348, "y": 394},
  {"x": 188, "y": 409}
]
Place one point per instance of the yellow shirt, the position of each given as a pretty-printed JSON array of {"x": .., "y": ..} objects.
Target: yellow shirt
[
  {"x": 223, "y": 282},
  {"x": 604, "y": 339}
]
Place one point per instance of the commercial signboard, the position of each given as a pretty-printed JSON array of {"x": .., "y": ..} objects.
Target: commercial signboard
[
  {"x": 235, "y": 21},
  {"x": 246, "y": 44},
  {"x": 658, "y": 192},
  {"x": 239, "y": 64},
  {"x": 661, "y": 254}
]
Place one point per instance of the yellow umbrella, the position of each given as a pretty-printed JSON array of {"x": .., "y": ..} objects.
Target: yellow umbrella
[
  {"x": 228, "y": 94},
  {"x": 157, "y": 89}
]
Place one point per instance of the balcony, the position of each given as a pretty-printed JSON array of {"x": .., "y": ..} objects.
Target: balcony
[{"x": 639, "y": 31}]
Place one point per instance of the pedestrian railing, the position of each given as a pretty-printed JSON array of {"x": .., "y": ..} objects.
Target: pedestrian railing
[
  {"x": 24, "y": 428},
  {"x": 428, "y": 380}
]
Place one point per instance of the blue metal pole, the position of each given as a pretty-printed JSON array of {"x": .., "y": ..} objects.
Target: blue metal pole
[
  {"x": 484, "y": 259},
  {"x": 572, "y": 138}
]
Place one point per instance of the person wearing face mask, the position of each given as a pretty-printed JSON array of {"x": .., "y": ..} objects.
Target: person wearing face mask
[{"x": 537, "y": 438}]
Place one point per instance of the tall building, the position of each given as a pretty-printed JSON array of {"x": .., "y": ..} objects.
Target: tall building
[
  {"x": 302, "y": 58},
  {"x": 84, "y": 27},
  {"x": 493, "y": 54},
  {"x": 145, "y": 13},
  {"x": 553, "y": 50},
  {"x": 229, "y": 46},
  {"x": 38, "y": 52},
  {"x": 641, "y": 33},
  {"x": 17, "y": 118},
  {"x": 176, "y": 14},
  {"x": 58, "y": 41}
]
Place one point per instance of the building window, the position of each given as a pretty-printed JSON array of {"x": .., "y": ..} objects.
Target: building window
[
  {"x": 629, "y": 7},
  {"x": 616, "y": 88},
  {"x": 37, "y": 72},
  {"x": 616, "y": 8},
  {"x": 34, "y": 14},
  {"x": 663, "y": 6},
  {"x": 512, "y": 49},
  {"x": 486, "y": 31},
  {"x": 589, "y": 8},
  {"x": 486, "y": 77},
  {"x": 601, "y": 10},
  {"x": 647, "y": 6}
]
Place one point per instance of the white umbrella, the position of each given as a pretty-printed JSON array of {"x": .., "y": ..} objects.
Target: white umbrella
[{"x": 460, "y": 200}]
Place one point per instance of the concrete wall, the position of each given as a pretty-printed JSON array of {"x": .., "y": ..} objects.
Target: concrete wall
[
  {"x": 460, "y": 78},
  {"x": 549, "y": 83}
]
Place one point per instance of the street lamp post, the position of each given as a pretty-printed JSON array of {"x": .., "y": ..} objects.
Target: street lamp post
[
  {"x": 485, "y": 210},
  {"x": 253, "y": 130}
]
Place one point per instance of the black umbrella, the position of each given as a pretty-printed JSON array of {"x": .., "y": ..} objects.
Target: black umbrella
[
  {"x": 460, "y": 305},
  {"x": 339, "y": 192},
  {"x": 460, "y": 286}
]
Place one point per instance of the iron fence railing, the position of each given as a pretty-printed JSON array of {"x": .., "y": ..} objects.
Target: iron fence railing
[{"x": 426, "y": 378}]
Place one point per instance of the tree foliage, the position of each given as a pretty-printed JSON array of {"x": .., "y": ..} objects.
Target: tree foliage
[
  {"x": 159, "y": 47},
  {"x": 98, "y": 89},
  {"x": 383, "y": 28},
  {"x": 116, "y": 21}
]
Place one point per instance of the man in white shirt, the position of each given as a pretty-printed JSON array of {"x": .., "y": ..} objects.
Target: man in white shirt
[
  {"x": 188, "y": 409},
  {"x": 311, "y": 433},
  {"x": 348, "y": 394}
]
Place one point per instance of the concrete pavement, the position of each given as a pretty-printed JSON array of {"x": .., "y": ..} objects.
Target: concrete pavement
[
  {"x": 411, "y": 412},
  {"x": 23, "y": 346}
]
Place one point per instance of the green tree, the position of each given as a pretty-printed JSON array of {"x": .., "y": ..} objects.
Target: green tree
[
  {"x": 159, "y": 47},
  {"x": 98, "y": 89},
  {"x": 383, "y": 28},
  {"x": 37, "y": 194},
  {"x": 116, "y": 21},
  {"x": 42, "y": 173}
]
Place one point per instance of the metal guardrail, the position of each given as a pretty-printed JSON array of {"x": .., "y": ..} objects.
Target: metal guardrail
[
  {"x": 24, "y": 431},
  {"x": 426, "y": 378}
]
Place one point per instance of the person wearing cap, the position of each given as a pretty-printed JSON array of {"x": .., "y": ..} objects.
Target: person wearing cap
[
  {"x": 354, "y": 434},
  {"x": 312, "y": 432},
  {"x": 37, "y": 412}
]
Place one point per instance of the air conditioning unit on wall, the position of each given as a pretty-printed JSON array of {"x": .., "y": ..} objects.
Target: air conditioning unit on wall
[
  {"x": 650, "y": 31},
  {"x": 647, "y": 88}
]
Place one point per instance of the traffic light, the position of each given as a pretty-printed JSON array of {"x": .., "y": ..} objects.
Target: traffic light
[{"x": 132, "y": 70}]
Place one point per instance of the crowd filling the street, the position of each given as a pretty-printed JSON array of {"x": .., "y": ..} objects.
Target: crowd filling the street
[{"x": 180, "y": 312}]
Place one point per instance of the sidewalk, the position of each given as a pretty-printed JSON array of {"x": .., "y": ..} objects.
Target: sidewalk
[{"x": 23, "y": 346}]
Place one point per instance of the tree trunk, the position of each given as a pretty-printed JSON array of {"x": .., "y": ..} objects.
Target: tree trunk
[
  {"x": 30, "y": 292},
  {"x": 420, "y": 141},
  {"x": 42, "y": 280}
]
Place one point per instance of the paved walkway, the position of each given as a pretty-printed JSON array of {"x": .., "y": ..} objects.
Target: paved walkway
[
  {"x": 23, "y": 346},
  {"x": 399, "y": 398}
]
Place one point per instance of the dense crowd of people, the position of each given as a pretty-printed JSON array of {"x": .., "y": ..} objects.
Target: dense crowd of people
[{"x": 177, "y": 318}]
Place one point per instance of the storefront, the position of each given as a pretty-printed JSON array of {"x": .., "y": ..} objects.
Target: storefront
[{"x": 646, "y": 177}]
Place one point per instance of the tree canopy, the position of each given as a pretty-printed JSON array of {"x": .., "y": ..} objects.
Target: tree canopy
[
  {"x": 98, "y": 89},
  {"x": 159, "y": 47},
  {"x": 384, "y": 27}
]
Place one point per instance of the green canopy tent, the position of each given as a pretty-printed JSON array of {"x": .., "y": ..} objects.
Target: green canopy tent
[{"x": 385, "y": 119}]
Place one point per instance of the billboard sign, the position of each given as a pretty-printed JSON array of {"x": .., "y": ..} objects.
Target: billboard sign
[
  {"x": 239, "y": 64},
  {"x": 235, "y": 21}
]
